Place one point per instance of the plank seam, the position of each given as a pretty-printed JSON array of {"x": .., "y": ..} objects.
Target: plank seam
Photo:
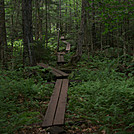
[{"x": 57, "y": 102}]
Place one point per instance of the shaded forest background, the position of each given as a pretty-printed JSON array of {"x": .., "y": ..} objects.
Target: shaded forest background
[
  {"x": 92, "y": 26},
  {"x": 101, "y": 60}
]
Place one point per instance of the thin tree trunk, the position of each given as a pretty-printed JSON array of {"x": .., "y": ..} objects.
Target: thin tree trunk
[
  {"x": 59, "y": 26},
  {"x": 78, "y": 55},
  {"x": 66, "y": 23},
  {"x": 12, "y": 39},
  {"x": 60, "y": 15},
  {"x": 101, "y": 37},
  {"x": 3, "y": 40},
  {"x": 27, "y": 31},
  {"x": 46, "y": 33},
  {"x": 37, "y": 19},
  {"x": 41, "y": 21},
  {"x": 76, "y": 25},
  {"x": 70, "y": 20},
  {"x": 49, "y": 18},
  {"x": 93, "y": 27}
]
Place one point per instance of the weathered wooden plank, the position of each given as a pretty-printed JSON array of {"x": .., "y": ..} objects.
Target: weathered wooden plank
[
  {"x": 60, "y": 72},
  {"x": 68, "y": 47},
  {"x": 43, "y": 65},
  {"x": 61, "y": 53},
  {"x": 54, "y": 71},
  {"x": 59, "y": 58},
  {"x": 58, "y": 75},
  {"x": 62, "y": 58},
  {"x": 65, "y": 42},
  {"x": 62, "y": 37},
  {"x": 60, "y": 112},
  {"x": 50, "y": 113}
]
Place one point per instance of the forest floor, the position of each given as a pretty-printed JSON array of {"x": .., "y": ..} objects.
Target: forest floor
[{"x": 100, "y": 98}]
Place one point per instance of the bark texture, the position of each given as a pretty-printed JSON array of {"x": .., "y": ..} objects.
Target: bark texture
[
  {"x": 3, "y": 41},
  {"x": 78, "y": 54},
  {"x": 27, "y": 31}
]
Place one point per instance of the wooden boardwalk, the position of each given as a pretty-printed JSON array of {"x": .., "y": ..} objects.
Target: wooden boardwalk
[
  {"x": 56, "y": 109},
  {"x": 56, "y": 72},
  {"x": 60, "y": 58},
  {"x": 68, "y": 45}
]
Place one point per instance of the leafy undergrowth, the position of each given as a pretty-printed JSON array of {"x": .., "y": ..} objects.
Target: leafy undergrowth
[
  {"x": 103, "y": 102},
  {"x": 23, "y": 100}
]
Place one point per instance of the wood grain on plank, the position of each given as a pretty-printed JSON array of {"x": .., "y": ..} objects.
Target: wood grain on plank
[
  {"x": 68, "y": 47},
  {"x": 60, "y": 72},
  {"x": 62, "y": 37},
  {"x": 65, "y": 42},
  {"x": 56, "y": 72},
  {"x": 43, "y": 65},
  {"x": 60, "y": 112},
  {"x": 62, "y": 58},
  {"x": 50, "y": 113},
  {"x": 61, "y": 53},
  {"x": 59, "y": 58}
]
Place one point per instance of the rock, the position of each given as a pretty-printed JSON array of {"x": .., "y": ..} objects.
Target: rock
[{"x": 56, "y": 130}]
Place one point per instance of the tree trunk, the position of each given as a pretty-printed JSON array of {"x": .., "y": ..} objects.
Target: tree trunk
[
  {"x": 3, "y": 40},
  {"x": 70, "y": 20},
  {"x": 37, "y": 19},
  {"x": 59, "y": 25},
  {"x": 78, "y": 54},
  {"x": 60, "y": 15},
  {"x": 66, "y": 23},
  {"x": 46, "y": 32},
  {"x": 93, "y": 27},
  {"x": 27, "y": 31}
]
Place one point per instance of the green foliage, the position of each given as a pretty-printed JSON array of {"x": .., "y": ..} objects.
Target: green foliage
[
  {"x": 15, "y": 55},
  {"x": 111, "y": 13},
  {"x": 42, "y": 53},
  {"x": 21, "y": 99},
  {"x": 104, "y": 98}
]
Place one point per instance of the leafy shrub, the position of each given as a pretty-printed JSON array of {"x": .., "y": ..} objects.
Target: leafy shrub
[{"x": 41, "y": 53}]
